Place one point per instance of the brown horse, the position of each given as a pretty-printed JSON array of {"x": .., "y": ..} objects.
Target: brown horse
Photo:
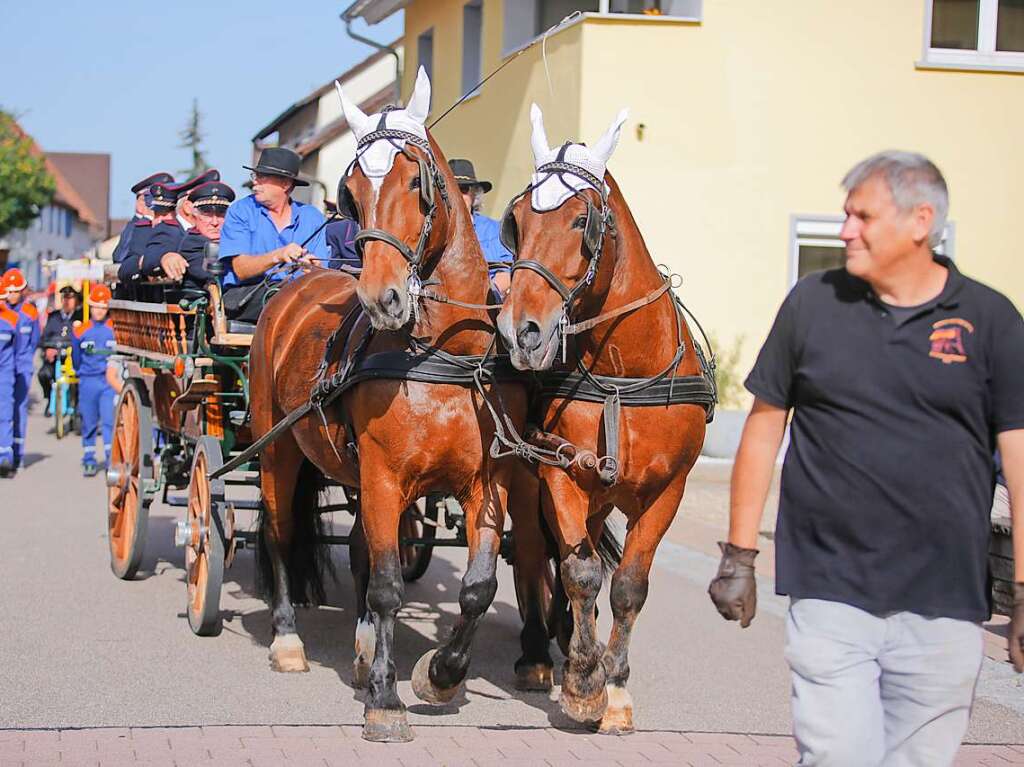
[
  {"x": 581, "y": 255},
  {"x": 396, "y": 440}
]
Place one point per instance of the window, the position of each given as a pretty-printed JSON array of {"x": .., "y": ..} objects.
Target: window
[
  {"x": 67, "y": 223},
  {"x": 526, "y": 19},
  {"x": 974, "y": 33},
  {"x": 425, "y": 52},
  {"x": 472, "y": 44},
  {"x": 815, "y": 244}
]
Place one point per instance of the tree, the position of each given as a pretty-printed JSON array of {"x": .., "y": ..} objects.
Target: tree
[
  {"x": 191, "y": 138},
  {"x": 25, "y": 183}
]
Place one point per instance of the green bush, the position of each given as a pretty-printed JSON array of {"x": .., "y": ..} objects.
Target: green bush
[
  {"x": 728, "y": 377},
  {"x": 25, "y": 184}
]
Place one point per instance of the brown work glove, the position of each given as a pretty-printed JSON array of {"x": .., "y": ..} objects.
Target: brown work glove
[
  {"x": 1017, "y": 628},
  {"x": 734, "y": 589}
]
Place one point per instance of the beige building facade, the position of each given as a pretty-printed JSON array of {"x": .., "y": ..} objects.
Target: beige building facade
[{"x": 744, "y": 118}]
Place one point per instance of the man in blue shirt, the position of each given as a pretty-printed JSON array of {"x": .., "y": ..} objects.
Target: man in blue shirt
[
  {"x": 488, "y": 230},
  {"x": 266, "y": 231}
]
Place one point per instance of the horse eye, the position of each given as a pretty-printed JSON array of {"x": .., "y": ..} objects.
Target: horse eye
[
  {"x": 415, "y": 183},
  {"x": 580, "y": 222}
]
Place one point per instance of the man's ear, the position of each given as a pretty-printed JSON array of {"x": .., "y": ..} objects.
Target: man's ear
[{"x": 923, "y": 218}]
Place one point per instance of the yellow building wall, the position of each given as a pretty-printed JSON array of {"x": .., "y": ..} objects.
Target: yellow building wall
[{"x": 751, "y": 116}]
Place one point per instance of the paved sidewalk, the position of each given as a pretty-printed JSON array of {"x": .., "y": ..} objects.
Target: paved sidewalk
[{"x": 452, "y": 746}]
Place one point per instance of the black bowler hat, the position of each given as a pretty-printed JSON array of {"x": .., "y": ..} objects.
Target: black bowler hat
[
  {"x": 212, "y": 194},
  {"x": 278, "y": 161},
  {"x": 148, "y": 181},
  {"x": 465, "y": 175}
]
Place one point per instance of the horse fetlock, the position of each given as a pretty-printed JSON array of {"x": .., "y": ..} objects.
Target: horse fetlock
[
  {"x": 425, "y": 688},
  {"x": 584, "y": 695},
  {"x": 287, "y": 654},
  {"x": 618, "y": 716},
  {"x": 383, "y": 725}
]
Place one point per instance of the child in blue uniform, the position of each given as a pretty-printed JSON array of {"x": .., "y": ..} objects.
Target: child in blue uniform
[
  {"x": 92, "y": 342},
  {"x": 24, "y": 354},
  {"x": 8, "y": 336}
]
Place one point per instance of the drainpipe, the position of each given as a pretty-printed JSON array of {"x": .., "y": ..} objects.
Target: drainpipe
[{"x": 380, "y": 47}]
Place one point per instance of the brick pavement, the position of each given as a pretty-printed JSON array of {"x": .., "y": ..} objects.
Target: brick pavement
[{"x": 454, "y": 746}]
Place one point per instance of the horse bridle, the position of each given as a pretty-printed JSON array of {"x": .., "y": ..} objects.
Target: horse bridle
[
  {"x": 430, "y": 176},
  {"x": 598, "y": 224}
]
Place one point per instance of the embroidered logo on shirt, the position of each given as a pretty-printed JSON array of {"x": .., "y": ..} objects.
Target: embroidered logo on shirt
[{"x": 947, "y": 340}]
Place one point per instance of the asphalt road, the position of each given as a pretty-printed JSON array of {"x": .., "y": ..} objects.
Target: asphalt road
[{"x": 82, "y": 648}]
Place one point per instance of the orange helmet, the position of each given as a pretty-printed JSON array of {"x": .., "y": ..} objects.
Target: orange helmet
[
  {"x": 13, "y": 279},
  {"x": 99, "y": 295}
]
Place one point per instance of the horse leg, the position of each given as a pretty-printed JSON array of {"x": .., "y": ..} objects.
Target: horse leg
[
  {"x": 534, "y": 669},
  {"x": 583, "y": 677},
  {"x": 382, "y": 503},
  {"x": 439, "y": 672},
  {"x": 366, "y": 639},
  {"x": 280, "y": 464},
  {"x": 628, "y": 594}
]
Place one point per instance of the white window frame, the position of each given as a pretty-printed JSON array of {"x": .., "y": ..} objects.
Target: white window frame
[
  {"x": 603, "y": 12},
  {"x": 985, "y": 58},
  {"x": 823, "y": 230}
]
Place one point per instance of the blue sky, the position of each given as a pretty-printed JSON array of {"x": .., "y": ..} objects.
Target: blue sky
[{"x": 119, "y": 77}]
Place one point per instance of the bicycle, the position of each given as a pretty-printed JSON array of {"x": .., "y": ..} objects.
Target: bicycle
[{"x": 63, "y": 397}]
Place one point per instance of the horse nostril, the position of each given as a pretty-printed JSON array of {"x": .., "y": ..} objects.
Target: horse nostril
[
  {"x": 391, "y": 300},
  {"x": 528, "y": 336}
]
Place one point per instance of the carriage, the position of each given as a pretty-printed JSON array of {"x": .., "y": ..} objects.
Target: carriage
[{"x": 180, "y": 417}]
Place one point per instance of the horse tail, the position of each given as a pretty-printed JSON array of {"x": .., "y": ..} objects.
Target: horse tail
[
  {"x": 609, "y": 549},
  {"x": 308, "y": 559}
]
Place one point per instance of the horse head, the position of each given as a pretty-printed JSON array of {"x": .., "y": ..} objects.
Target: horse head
[
  {"x": 396, "y": 189},
  {"x": 562, "y": 232}
]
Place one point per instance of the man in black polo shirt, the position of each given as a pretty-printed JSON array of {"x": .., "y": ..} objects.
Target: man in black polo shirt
[{"x": 903, "y": 377}]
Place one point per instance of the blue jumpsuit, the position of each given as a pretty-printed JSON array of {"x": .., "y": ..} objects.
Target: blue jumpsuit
[
  {"x": 8, "y": 336},
  {"x": 89, "y": 347},
  {"x": 24, "y": 364}
]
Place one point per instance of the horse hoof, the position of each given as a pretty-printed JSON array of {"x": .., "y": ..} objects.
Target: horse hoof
[
  {"x": 584, "y": 709},
  {"x": 535, "y": 677},
  {"x": 618, "y": 717},
  {"x": 360, "y": 675},
  {"x": 425, "y": 689},
  {"x": 385, "y": 726},
  {"x": 287, "y": 654}
]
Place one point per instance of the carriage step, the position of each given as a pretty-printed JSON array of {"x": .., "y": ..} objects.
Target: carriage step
[
  {"x": 176, "y": 500},
  {"x": 246, "y": 505},
  {"x": 237, "y": 418}
]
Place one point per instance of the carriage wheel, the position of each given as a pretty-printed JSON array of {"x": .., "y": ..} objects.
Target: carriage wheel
[
  {"x": 129, "y": 472},
  {"x": 204, "y": 551},
  {"x": 416, "y": 559}
]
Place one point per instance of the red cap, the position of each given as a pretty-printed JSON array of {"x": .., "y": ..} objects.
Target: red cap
[
  {"x": 99, "y": 295},
  {"x": 13, "y": 279}
]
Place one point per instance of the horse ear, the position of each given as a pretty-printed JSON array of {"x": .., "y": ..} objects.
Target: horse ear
[
  {"x": 419, "y": 104},
  {"x": 354, "y": 116},
  {"x": 538, "y": 139},
  {"x": 606, "y": 144}
]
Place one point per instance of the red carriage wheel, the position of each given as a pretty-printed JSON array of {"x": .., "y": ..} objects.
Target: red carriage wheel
[
  {"x": 129, "y": 473},
  {"x": 205, "y": 544}
]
